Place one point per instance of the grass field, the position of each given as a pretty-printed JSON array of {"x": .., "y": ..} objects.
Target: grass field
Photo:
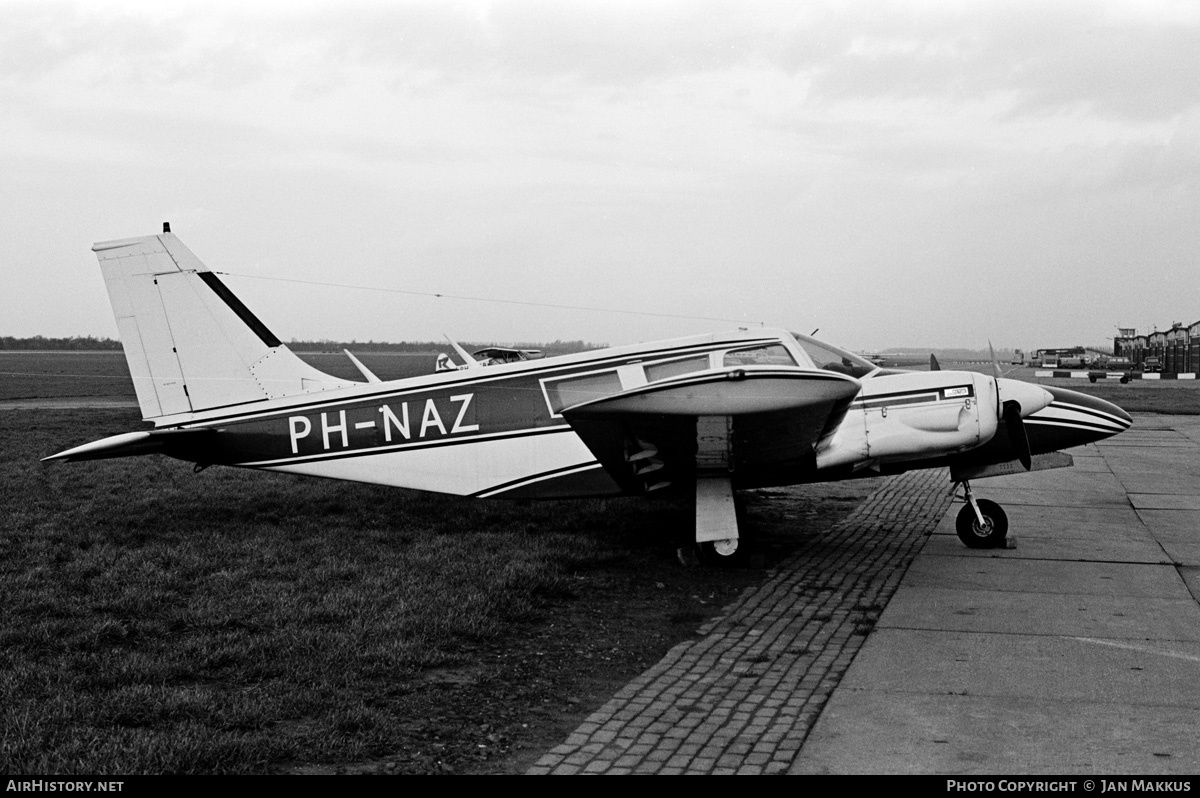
[
  {"x": 35, "y": 375},
  {"x": 156, "y": 620}
]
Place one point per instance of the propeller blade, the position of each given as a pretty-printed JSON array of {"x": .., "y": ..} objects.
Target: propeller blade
[
  {"x": 996, "y": 379},
  {"x": 1017, "y": 436},
  {"x": 995, "y": 363}
]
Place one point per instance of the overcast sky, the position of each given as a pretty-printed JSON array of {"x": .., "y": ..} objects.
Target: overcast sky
[{"x": 896, "y": 174}]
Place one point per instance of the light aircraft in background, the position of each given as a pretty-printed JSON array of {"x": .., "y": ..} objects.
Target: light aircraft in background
[
  {"x": 488, "y": 356},
  {"x": 706, "y": 415}
]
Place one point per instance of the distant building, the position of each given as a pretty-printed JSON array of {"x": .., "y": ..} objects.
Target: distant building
[
  {"x": 1065, "y": 357},
  {"x": 1194, "y": 348},
  {"x": 1172, "y": 351},
  {"x": 1176, "y": 354}
]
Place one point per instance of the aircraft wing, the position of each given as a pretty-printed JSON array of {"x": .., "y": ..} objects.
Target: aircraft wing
[{"x": 759, "y": 425}]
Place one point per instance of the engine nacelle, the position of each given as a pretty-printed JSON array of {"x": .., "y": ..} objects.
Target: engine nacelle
[{"x": 923, "y": 415}]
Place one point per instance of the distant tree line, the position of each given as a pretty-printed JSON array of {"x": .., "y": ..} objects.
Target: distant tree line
[
  {"x": 950, "y": 354},
  {"x": 75, "y": 343},
  {"x": 92, "y": 344}
]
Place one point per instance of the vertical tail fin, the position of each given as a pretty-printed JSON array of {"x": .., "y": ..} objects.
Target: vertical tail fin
[{"x": 190, "y": 343}]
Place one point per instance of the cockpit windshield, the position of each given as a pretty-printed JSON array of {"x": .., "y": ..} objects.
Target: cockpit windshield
[{"x": 832, "y": 358}]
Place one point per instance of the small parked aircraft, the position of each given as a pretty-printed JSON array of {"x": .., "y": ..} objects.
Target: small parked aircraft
[
  {"x": 707, "y": 414},
  {"x": 489, "y": 356}
]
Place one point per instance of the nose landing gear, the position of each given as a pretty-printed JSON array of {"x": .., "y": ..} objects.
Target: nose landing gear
[{"x": 981, "y": 524}]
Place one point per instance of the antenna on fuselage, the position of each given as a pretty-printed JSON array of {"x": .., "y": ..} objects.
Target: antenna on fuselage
[
  {"x": 468, "y": 361},
  {"x": 366, "y": 372}
]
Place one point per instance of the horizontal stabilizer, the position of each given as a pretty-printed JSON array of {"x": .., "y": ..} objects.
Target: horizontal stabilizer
[{"x": 188, "y": 444}]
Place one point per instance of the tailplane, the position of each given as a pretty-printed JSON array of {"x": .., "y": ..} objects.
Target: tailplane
[{"x": 190, "y": 343}]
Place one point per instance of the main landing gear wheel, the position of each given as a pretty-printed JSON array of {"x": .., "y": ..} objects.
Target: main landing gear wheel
[
  {"x": 991, "y": 534},
  {"x": 721, "y": 552}
]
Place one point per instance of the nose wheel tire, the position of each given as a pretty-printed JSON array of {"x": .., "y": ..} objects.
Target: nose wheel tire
[{"x": 988, "y": 535}]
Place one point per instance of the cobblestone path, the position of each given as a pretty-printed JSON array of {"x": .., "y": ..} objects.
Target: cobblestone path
[{"x": 742, "y": 697}]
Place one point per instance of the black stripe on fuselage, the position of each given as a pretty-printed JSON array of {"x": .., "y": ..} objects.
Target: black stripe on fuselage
[
  {"x": 894, "y": 400},
  {"x": 1108, "y": 429},
  {"x": 538, "y": 477},
  {"x": 1088, "y": 411},
  {"x": 912, "y": 397}
]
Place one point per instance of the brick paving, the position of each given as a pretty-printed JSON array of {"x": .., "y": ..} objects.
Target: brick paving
[{"x": 743, "y": 698}]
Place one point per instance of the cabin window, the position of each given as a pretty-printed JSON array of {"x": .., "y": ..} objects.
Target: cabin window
[
  {"x": 570, "y": 391},
  {"x": 675, "y": 368},
  {"x": 770, "y": 355}
]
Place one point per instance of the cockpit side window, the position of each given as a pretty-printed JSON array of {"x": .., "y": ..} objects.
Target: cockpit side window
[{"x": 832, "y": 358}]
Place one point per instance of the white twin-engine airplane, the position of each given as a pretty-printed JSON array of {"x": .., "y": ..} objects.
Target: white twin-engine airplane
[{"x": 708, "y": 414}]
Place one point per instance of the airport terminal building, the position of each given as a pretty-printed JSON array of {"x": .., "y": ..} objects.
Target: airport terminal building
[{"x": 1172, "y": 352}]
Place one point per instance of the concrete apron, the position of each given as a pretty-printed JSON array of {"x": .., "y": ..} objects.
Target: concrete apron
[{"x": 1076, "y": 652}]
